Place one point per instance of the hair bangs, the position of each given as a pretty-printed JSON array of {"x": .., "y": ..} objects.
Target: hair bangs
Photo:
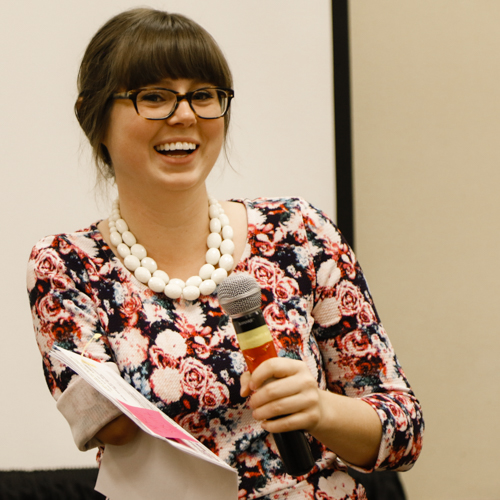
[{"x": 169, "y": 49}]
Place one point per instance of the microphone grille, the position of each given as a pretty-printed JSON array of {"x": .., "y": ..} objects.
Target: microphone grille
[{"x": 239, "y": 294}]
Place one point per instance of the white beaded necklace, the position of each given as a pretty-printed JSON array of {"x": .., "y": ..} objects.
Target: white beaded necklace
[{"x": 220, "y": 252}]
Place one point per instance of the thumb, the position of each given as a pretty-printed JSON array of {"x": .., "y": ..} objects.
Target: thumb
[{"x": 245, "y": 384}]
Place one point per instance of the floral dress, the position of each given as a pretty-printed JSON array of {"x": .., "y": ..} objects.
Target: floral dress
[{"x": 184, "y": 357}]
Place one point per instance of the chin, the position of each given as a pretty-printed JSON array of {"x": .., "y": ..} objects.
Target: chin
[{"x": 183, "y": 184}]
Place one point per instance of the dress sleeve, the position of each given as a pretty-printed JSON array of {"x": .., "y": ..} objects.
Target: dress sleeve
[
  {"x": 65, "y": 313},
  {"x": 358, "y": 357}
]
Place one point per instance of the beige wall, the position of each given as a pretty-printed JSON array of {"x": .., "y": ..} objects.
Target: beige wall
[{"x": 426, "y": 114}]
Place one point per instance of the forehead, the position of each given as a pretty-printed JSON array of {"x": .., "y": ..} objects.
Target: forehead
[{"x": 180, "y": 84}]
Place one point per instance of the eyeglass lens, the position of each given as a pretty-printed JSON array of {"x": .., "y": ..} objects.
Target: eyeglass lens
[{"x": 159, "y": 103}]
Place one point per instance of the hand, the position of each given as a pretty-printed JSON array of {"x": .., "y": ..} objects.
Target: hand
[
  {"x": 284, "y": 389},
  {"x": 118, "y": 432}
]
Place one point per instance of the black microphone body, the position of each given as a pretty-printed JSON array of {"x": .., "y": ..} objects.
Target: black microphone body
[{"x": 241, "y": 299}]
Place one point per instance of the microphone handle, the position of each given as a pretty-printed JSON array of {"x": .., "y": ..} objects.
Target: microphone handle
[
  {"x": 257, "y": 345},
  {"x": 295, "y": 452}
]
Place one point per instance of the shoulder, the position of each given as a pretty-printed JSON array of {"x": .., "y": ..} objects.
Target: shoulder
[
  {"x": 289, "y": 203},
  {"x": 275, "y": 206},
  {"x": 55, "y": 254},
  {"x": 288, "y": 211},
  {"x": 84, "y": 239}
]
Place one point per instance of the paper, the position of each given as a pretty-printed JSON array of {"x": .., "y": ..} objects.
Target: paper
[
  {"x": 163, "y": 456},
  {"x": 157, "y": 424},
  {"x": 147, "y": 468}
]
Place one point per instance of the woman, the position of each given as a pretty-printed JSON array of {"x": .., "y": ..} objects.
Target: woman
[{"x": 154, "y": 100}]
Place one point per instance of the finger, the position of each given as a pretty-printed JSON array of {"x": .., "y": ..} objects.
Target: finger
[
  {"x": 305, "y": 419},
  {"x": 287, "y": 423},
  {"x": 273, "y": 368},
  {"x": 306, "y": 402},
  {"x": 276, "y": 389},
  {"x": 245, "y": 384}
]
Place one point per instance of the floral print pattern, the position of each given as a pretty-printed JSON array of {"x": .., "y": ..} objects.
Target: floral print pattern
[{"x": 184, "y": 356}]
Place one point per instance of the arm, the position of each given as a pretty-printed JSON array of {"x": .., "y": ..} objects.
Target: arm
[
  {"x": 345, "y": 352},
  {"x": 65, "y": 313},
  {"x": 349, "y": 427}
]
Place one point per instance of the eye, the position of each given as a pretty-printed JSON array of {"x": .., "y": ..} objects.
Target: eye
[
  {"x": 155, "y": 97},
  {"x": 204, "y": 96}
]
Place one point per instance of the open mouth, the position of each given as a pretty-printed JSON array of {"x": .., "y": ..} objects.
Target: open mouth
[{"x": 176, "y": 149}]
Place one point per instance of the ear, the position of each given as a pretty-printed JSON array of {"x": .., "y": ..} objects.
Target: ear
[
  {"x": 105, "y": 154},
  {"x": 78, "y": 104}
]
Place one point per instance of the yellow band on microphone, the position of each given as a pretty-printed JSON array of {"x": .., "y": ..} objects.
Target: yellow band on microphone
[{"x": 254, "y": 338}]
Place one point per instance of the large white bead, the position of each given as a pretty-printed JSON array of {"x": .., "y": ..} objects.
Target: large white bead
[
  {"x": 178, "y": 282},
  {"x": 146, "y": 269},
  {"x": 129, "y": 238},
  {"x": 227, "y": 232},
  {"x": 214, "y": 210},
  {"x": 173, "y": 291},
  {"x": 219, "y": 275},
  {"x": 121, "y": 225},
  {"x": 206, "y": 271},
  {"x": 215, "y": 225},
  {"x": 156, "y": 284},
  {"x": 150, "y": 264},
  {"x": 191, "y": 292},
  {"x": 212, "y": 200},
  {"x": 139, "y": 251},
  {"x": 212, "y": 256},
  {"x": 116, "y": 238},
  {"x": 226, "y": 262},
  {"x": 193, "y": 281},
  {"x": 123, "y": 250},
  {"x": 142, "y": 274},
  {"x": 224, "y": 220},
  {"x": 214, "y": 240},
  {"x": 162, "y": 275},
  {"x": 207, "y": 287},
  {"x": 131, "y": 262},
  {"x": 227, "y": 247}
]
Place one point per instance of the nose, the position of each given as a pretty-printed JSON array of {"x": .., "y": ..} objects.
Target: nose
[{"x": 183, "y": 114}]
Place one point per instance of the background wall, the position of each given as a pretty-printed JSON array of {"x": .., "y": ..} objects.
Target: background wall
[
  {"x": 426, "y": 122},
  {"x": 281, "y": 144}
]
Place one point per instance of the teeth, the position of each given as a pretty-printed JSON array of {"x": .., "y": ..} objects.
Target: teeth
[{"x": 175, "y": 146}]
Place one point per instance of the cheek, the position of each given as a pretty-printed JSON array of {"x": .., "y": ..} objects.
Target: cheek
[
  {"x": 126, "y": 139},
  {"x": 215, "y": 132},
  {"x": 125, "y": 126}
]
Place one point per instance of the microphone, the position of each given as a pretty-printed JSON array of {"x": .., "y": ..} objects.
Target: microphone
[{"x": 240, "y": 297}]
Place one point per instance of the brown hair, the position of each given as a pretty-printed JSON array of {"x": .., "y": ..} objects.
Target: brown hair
[{"x": 136, "y": 48}]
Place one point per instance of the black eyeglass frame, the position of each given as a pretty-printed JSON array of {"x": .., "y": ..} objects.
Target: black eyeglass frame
[{"x": 132, "y": 95}]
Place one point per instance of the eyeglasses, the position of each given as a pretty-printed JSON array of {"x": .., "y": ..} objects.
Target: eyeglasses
[{"x": 156, "y": 103}]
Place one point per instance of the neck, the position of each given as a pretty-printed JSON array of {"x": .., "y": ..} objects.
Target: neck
[
  {"x": 174, "y": 228},
  {"x": 137, "y": 259}
]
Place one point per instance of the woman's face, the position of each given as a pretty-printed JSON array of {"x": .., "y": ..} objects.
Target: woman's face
[{"x": 138, "y": 147}]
